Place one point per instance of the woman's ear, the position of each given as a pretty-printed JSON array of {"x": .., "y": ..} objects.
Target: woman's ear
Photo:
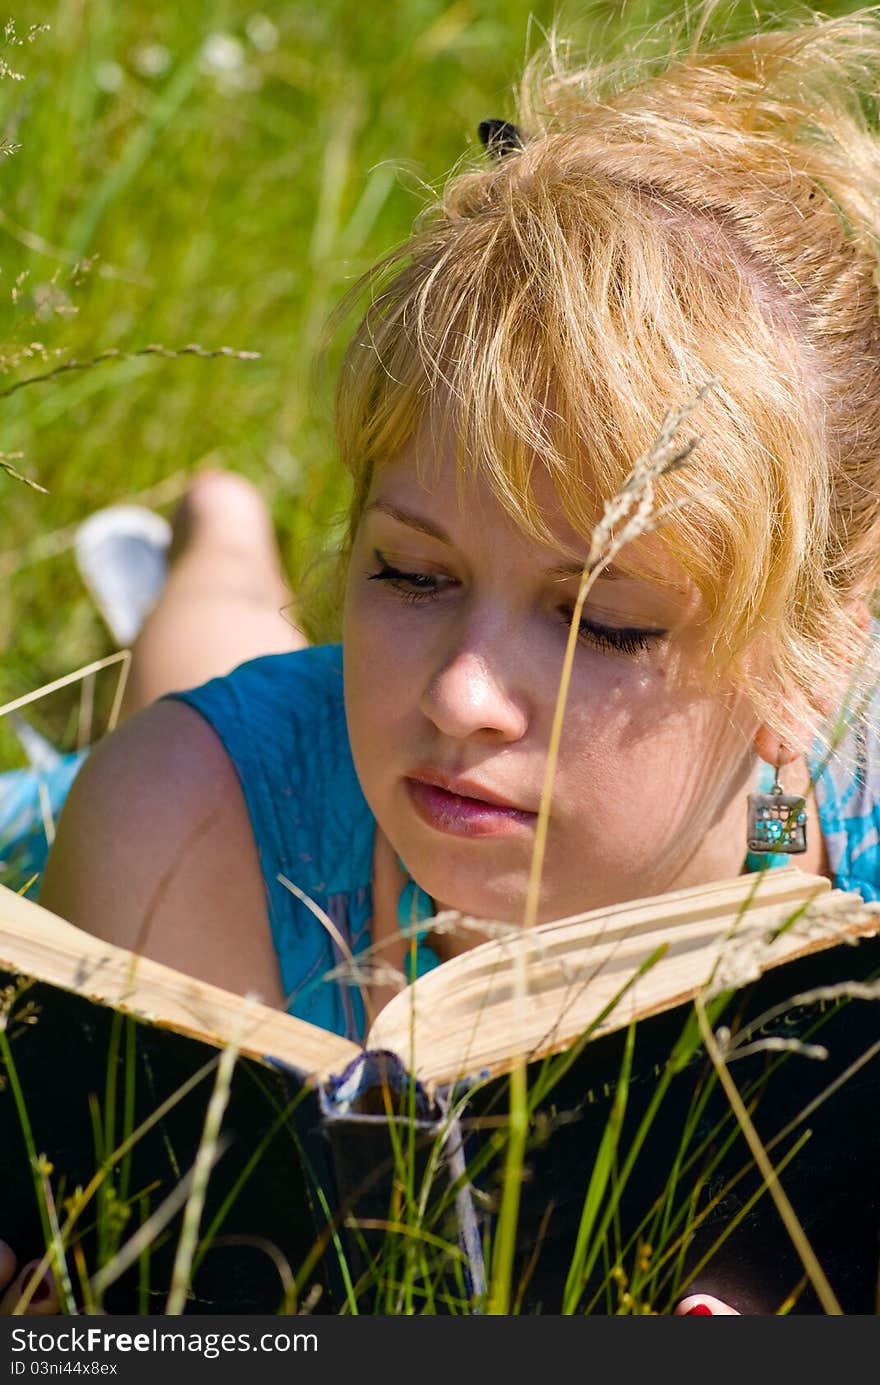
[
  {"x": 861, "y": 614},
  {"x": 772, "y": 749},
  {"x": 769, "y": 745}
]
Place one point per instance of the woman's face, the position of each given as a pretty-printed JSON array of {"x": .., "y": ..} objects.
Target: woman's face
[{"x": 454, "y": 636}]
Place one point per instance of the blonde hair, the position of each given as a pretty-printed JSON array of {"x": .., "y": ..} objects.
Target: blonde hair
[{"x": 714, "y": 215}]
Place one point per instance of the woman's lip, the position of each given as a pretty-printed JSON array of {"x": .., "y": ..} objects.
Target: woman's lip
[
  {"x": 463, "y": 788},
  {"x": 464, "y": 817}
]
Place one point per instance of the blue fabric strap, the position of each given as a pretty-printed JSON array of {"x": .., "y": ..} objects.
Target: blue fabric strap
[{"x": 414, "y": 906}]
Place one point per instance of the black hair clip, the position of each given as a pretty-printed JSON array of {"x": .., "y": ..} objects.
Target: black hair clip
[{"x": 500, "y": 137}]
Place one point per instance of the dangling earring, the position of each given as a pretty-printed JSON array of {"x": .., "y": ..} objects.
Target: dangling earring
[{"x": 777, "y": 821}]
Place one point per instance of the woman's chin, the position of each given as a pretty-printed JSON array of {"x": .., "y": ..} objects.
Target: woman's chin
[
  {"x": 495, "y": 906},
  {"x": 500, "y": 895},
  {"x": 473, "y": 898}
]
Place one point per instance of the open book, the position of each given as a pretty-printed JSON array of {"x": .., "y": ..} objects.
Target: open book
[{"x": 115, "y": 1058}]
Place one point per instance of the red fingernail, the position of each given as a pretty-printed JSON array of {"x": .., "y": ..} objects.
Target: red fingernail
[{"x": 699, "y": 1308}]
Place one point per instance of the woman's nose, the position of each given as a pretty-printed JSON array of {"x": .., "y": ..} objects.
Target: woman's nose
[{"x": 470, "y": 693}]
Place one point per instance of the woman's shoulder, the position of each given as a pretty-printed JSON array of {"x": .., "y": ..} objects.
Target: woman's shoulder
[
  {"x": 153, "y": 837},
  {"x": 281, "y": 720}
]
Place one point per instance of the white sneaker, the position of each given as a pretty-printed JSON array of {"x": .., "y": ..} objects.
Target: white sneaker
[
  {"x": 42, "y": 755},
  {"x": 122, "y": 556}
]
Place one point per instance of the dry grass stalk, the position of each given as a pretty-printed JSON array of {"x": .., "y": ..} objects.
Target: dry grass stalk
[
  {"x": 628, "y": 515},
  {"x": 206, "y": 1156},
  {"x": 789, "y": 1218}
]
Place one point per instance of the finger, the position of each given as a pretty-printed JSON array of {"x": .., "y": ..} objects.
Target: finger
[
  {"x": 704, "y": 1305},
  {"x": 43, "y": 1299}
]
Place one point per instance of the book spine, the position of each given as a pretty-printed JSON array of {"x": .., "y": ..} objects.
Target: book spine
[{"x": 386, "y": 1134}]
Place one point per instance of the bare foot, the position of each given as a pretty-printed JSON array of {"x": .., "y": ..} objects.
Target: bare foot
[
  {"x": 224, "y": 600},
  {"x": 226, "y": 511}
]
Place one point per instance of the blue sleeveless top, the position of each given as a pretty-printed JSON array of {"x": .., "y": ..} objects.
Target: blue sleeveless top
[{"x": 282, "y": 722}]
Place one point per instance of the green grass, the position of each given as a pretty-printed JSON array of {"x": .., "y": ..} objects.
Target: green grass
[
  {"x": 226, "y": 211},
  {"x": 216, "y": 213}
]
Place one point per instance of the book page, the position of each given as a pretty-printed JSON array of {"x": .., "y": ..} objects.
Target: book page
[
  {"x": 465, "y": 1017},
  {"x": 37, "y": 943}
]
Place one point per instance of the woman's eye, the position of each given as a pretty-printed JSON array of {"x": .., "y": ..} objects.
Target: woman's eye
[
  {"x": 621, "y": 639},
  {"x": 424, "y": 586},
  {"x": 618, "y": 638},
  {"x": 412, "y": 586}
]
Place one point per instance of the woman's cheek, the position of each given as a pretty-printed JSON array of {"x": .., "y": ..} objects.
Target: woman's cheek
[
  {"x": 367, "y": 632},
  {"x": 377, "y": 616}
]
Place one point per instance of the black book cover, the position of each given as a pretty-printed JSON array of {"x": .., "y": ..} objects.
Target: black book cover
[
  {"x": 694, "y": 1153},
  {"x": 271, "y": 1153},
  {"x": 690, "y": 1215}
]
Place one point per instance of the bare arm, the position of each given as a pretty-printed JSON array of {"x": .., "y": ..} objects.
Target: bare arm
[{"x": 154, "y": 851}]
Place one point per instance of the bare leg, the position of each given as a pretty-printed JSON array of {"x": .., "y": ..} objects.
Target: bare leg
[{"x": 225, "y": 599}]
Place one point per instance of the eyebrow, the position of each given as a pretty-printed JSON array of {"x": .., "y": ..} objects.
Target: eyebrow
[{"x": 425, "y": 526}]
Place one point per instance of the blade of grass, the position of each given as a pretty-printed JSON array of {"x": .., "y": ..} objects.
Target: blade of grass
[
  {"x": 599, "y": 1178},
  {"x": 787, "y": 1213},
  {"x": 206, "y": 1157},
  {"x": 137, "y": 151}
]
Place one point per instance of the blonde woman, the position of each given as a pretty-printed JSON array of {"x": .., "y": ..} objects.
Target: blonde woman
[{"x": 639, "y": 233}]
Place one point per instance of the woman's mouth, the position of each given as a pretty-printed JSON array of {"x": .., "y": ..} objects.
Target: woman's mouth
[{"x": 464, "y": 817}]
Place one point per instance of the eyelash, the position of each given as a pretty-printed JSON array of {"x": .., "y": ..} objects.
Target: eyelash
[{"x": 620, "y": 640}]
